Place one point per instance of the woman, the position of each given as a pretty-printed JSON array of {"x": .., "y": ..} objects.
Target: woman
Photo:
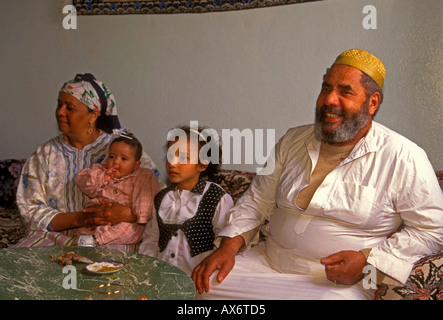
[{"x": 47, "y": 196}]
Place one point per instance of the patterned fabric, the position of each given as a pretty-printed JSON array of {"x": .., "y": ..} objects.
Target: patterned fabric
[
  {"x": 40, "y": 238},
  {"x": 198, "y": 230},
  {"x": 424, "y": 283},
  {"x": 93, "y": 7},
  {"x": 84, "y": 91},
  {"x": 234, "y": 182},
  {"x": 11, "y": 227},
  {"x": 95, "y": 95},
  {"x": 10, "y": 170},
  {"x": 48, "y": 184}
]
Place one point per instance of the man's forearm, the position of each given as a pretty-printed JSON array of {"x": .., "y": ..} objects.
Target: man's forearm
[
  {"x": 248, "y": 236},
  {"x": 232, "y": 245}
]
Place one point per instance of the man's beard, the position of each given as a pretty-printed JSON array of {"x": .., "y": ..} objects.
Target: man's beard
[{"x": 344, "y": 132}]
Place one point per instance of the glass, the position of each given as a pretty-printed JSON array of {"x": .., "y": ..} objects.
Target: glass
[{"x": 109, "y": 291}]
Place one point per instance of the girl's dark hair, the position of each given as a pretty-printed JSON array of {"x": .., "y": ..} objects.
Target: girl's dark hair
[
  {"x": 131, "y": 140},
  {"x": 213, "y": 167}
]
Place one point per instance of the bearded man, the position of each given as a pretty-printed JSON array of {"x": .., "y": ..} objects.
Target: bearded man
[{"x": 346, "y": 194}]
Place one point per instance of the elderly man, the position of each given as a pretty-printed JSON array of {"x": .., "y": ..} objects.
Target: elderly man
[{"x": 346, "y": 193}]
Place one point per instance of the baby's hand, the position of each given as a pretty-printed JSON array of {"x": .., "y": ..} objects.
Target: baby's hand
[{"x": 110, "y": 173}]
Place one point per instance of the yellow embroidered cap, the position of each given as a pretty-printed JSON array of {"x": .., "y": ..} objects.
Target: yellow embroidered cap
[{"x": 365, "y": 62}]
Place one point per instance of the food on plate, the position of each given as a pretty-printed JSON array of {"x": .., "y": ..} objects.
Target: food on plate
[
  {"x": 104, "y": 266},
  {"x": 69, "y": 257}
]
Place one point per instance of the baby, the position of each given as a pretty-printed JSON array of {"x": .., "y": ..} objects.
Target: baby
[{"x": 120, "y": 180}]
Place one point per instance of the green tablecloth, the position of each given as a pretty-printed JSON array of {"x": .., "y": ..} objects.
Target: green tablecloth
[{"x": 29, "y": 273}]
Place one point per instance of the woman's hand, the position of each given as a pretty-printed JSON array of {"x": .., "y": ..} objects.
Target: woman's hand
[
  {"x": 222, "y": 259},
  {"x": 107, "y": 213}
]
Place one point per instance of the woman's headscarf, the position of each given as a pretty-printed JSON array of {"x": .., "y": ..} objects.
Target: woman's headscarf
[{"x": 96, "y": 96}]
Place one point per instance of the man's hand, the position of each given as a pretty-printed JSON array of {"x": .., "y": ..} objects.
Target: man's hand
[
  {"x": 345, "y": 267},
  {"x": 222, "y": 259}
]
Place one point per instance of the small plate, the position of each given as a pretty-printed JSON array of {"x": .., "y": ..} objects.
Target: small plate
[{"x": 105, "y": 267}]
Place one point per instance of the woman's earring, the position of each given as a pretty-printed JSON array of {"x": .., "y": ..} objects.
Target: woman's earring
[{"x": 90, "y": 130}]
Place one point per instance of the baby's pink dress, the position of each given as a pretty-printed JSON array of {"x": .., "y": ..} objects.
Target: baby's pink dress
[{"x": 136, "y": 190}]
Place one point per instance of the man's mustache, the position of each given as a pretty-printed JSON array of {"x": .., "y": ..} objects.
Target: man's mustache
[{"x": 325, "y": 109}]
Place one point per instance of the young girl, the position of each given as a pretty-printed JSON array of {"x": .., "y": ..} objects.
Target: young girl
[
  {"x": 191, "y": 212},
  {"x": 120, "y": 180}
]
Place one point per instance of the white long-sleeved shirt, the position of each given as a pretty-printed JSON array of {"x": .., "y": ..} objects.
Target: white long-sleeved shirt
[
  {"x": 384, "y": 183},
  {"x": 177, "y": 207}
]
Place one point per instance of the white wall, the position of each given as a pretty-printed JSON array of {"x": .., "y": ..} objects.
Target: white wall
[{"x": 259, "y": 68}]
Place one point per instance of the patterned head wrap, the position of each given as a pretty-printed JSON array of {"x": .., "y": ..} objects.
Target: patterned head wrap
[
  {"x": 365, "y": 62},
  {"x": 95, "y": 95}
]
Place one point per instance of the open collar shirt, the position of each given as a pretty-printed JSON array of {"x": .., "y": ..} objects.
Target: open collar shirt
[{"x": 386, "y": 183}]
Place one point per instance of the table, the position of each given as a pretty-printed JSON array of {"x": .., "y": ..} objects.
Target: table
[{"x": 29, "y": 274}]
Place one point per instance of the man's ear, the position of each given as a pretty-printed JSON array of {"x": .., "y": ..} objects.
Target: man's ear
[{"x": 374, "y": 102}]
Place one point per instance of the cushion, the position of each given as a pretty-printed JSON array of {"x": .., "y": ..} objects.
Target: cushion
[
  {"x": 234, "y": 182},
  {"x": 10, "y": 171},
  {"x": 424, "y": 283},
  {"x": 11, "y": 227}
]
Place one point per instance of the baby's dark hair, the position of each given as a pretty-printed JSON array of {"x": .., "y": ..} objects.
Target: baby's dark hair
[
  {"x": 204, "y": 137},
  {"x": 132, "y": 141}
]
